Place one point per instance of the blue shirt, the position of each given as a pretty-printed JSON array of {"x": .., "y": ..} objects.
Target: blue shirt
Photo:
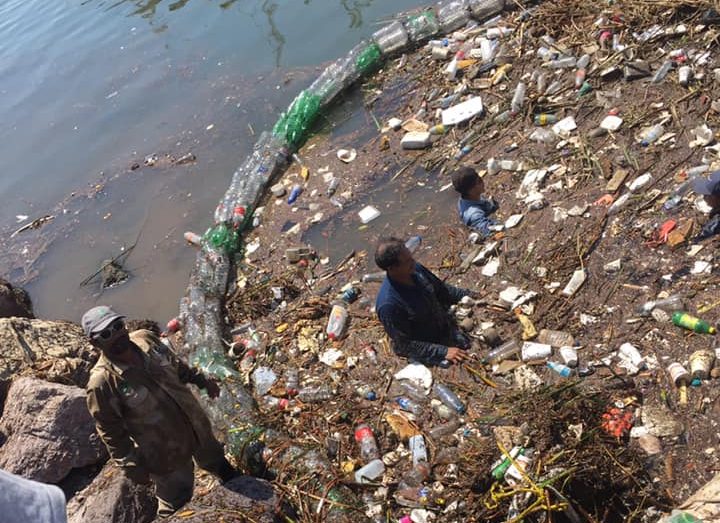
[
  {"x": 417, "y": 318},
  {"x": 475, "y": 214}
]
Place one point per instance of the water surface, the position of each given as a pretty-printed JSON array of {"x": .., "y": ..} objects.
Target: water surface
[{"x": 89, "y": 88}]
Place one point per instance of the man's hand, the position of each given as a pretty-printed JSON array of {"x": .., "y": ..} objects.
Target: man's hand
[
  {"x": 456, "y": 355},
  {"x": 137, "y": 474},
  {"x": 212, "y": 388}
]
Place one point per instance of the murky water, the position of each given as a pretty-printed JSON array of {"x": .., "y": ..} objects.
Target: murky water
[{"x": 89, "y": 88}]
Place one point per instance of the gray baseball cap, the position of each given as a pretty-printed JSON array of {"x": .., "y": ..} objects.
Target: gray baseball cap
[{"x": 97, "y": 318}]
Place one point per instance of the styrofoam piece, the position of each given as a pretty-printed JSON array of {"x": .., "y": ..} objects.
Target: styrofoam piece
[{"x": 462, "y": 111}]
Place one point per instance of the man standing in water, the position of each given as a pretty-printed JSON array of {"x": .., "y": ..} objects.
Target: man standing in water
[
  {"x": 413, "y": 306},
  {"x": 151, "y": 423}
]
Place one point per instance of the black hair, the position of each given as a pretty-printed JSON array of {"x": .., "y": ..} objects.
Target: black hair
[
  {"x": 387, "y": 252},
  {"x": 464, "y": 179}
]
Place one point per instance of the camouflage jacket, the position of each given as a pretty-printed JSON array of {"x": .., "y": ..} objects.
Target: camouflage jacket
[{"x": 147, "y": 416}]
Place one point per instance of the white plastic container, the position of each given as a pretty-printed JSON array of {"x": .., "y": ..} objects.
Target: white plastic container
[
  {"x": 535, "y": 351},
  {"x": 415, "y": 140},
  {"x": 632, "y": 354},
  {"x": 368, "y": 214}
]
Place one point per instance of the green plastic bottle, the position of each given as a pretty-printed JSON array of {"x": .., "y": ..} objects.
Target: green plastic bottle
[{"x": 686, "y": 321}]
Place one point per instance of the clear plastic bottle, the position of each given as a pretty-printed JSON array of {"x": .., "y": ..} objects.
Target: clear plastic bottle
[
  {"x": 670, "y": 304},
  {"x": 583, "y": 61},
  {"x": 518, "y": 98},
  {"x": 373, "y": 276},
  {"x": 503, "y": 352},
  {"x": 292, "y": 382},
  {"x": 366, "y": 441},
  {"x": 556, "y": 338},
  {"x": 315, "y": 394},
  {"x": 662, "y": 72},
  {"x": 445, "y": 429},
  {"x": 449, "y": 398},
  {"x": 651, "y": 134},
  {"x": 336, "y": 322},
  {"x": 370, "y": 472},
  {"x": 408, "y": 388},
  {"x": 566, "y": 62},
  {"x": 409, "y": 405}
]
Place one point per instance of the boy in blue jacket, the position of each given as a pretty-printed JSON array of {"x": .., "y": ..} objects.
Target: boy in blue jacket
[{"x": 473, "y": 208}]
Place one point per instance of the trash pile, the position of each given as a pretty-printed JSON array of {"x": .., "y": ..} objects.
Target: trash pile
[{"x": 592, "y": 390}]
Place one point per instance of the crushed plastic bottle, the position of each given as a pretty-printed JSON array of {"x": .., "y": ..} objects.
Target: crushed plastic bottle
[
  {"x": 449, "y": 398},
  {"x": 560, "y": 368},
  {"x": 651, "y": 134}
]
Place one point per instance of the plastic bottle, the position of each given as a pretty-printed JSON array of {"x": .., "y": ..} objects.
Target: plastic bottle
[
  {"x": 294, "y": 193},
  {"x": 336, "y": 322},
  {"x": 449, "y": 398},
  {"x": 701, "y": 363},
  {"x": 651, "y": 134},
  {"x": 292, "y": 382},
  {"x": 409, "y": 405},
  {"x": 569, "y": 356},
  {"x": 503, "y": 116},
  {"x": 686, "y": 321},
  {"x": 680, "y": 517},
  {"x": 579, "y": 78},
  {"x": 681, "y": 379},
  {"x": 350, "y": 294},
  {"x": 408, "y": 388},
  {"x": 366, "y": 392},
  {"x": 503, "y": 352},
  {"x": 315, "y": 394},
  {"x": 685, "y": 75},
  {"x": 560, "y": 368},
  {"x": 662, "y": 72},
  {"x": 566, "y": 62},
  {"x": 545, "y": 119},
  {"x": 366, "y": 441},
  {"x": 413, "y": 243},
  {"x": 556, "y": 338},
  {"x": 248, "y": 361},
  {"x": 373, "y": 276},
  {"x": 640, "y": 182},
  {"x": 670, "y": 304},
  {"x": 583, "y": 61},
  {"x": 677, "y": 195},
  {"x": 193, "y": 238},
  {"x": 445, "y": 429},
  {"x": 498, "y": 469},
  {"x": 332, "y": 186},
  {"x": 370, "y": 354},
  {"x": 518, "y": 98},
  {"x": 274, "y": 403},
  {"x": 618, "y": 204}
]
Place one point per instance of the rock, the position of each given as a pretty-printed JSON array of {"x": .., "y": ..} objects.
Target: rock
[
  {"x": 14, "y": 301},
  {"x": 650, "y": 444},
  {"x": 240, "y": 500},
  {"x": 49, "y": 431},
  {"x": 112, "y": 498},
  {"x": 660, "y": 422},
  {"x": 55, "y": 351}
]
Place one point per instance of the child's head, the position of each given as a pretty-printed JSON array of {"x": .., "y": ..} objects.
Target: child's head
[{"x": 466, "y": 181}]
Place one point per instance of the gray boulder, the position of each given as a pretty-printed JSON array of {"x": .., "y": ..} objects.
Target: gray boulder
[
  {"x": 112, "y": 498},
  {"x": 242, "y": 499},
  {"x": 48, "y": 431},
  {"x": 51, "y": 350}
]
